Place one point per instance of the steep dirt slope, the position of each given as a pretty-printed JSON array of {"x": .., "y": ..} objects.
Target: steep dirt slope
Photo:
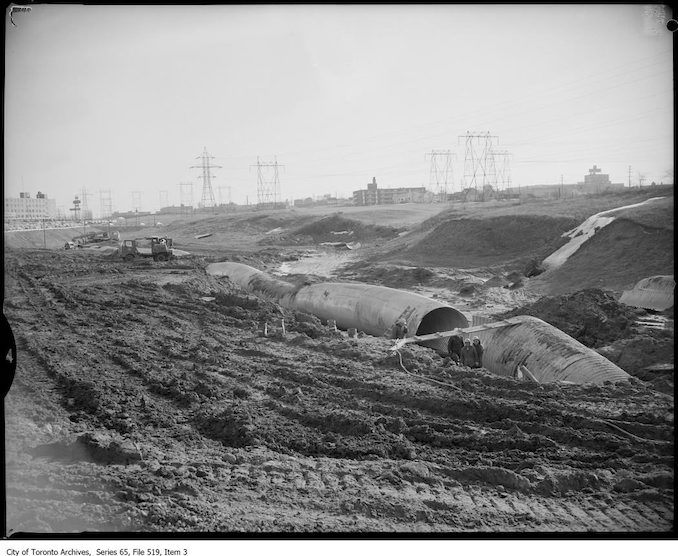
[
  {"x": 615, "y": 258},
  {"x": 139, "y": 406}
]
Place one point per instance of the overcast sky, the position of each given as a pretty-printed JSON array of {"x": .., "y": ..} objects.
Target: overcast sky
[{"x": 124, "y": 98}]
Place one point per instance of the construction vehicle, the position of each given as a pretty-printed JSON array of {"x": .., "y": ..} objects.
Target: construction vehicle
[
  {"x": 160, "y": 249},
  {"x": 91, "y": 237}
]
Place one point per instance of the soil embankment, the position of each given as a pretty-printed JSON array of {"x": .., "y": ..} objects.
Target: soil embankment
[
  {"x": 147, "y": 399},
  {"x": 473, "y": 243},
  {"x": 615, "y": 258}
]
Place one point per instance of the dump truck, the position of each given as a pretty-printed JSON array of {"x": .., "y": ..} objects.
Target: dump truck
[{"x": 160, "y": 248}]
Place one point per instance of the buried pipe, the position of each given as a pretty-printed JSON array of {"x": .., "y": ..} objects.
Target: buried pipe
[
  {"x": 371, "y": 309},
  {"x": 549, "y": 354},
  {"x": 655, "y": 292}
]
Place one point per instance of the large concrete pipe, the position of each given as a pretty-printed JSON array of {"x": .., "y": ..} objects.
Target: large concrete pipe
[
  {"x": 371, "y": 309},
  {"x": 655, "y": 292},
  {"x": 549, "y": 354}
]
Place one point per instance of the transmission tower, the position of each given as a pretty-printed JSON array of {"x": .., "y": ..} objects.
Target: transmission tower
[
  {"x": 502, "y": 164},
  {"x": 441, "y": 173},
  {"x": 136, "y": 200},
  {"x": 186, "y": 196},
  {"x": 221, "y": 196},
  {"x": 479, "y": 170},
  {"x": 86, "y": 212},
  {"x": 105, "y": 203},
  {"x": 268, "y": 183},
  {"x": 207, "y": 199}
]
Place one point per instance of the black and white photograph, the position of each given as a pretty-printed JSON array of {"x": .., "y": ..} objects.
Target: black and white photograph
[{"x": 312, "y": 271}]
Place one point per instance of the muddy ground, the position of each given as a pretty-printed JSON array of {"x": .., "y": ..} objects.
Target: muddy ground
[{"x": 140, "y": 406}]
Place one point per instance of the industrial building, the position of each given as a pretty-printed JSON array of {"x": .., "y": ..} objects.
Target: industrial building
[
  {"x": 372, "y": 195},
  {"x": 27, "y": 208}
]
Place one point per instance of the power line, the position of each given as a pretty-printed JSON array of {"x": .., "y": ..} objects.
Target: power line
[
  {"x": 268, "y": 183},
  {"x": 478, "y": 161},
  {"x": 207, "y": 199},
  {"x": 441, "y": 176}
]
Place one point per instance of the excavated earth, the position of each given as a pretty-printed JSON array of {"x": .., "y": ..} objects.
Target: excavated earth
[{"x": 147, "y": 398}]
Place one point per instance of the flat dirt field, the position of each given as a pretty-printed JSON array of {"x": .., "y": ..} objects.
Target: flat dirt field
[{"x": 147, "y": 398}]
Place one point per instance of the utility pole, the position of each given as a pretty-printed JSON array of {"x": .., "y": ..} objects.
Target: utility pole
[
  {"x": 441, "y": 172},
  {"x": 268, "y": 183},
  {"x": 207, "y": 199},
  {"x": 76, "y": 208},
  {"x": 479, "y": 168}
]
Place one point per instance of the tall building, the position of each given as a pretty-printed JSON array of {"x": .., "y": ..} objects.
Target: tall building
[{"x": 26, "y": 208}]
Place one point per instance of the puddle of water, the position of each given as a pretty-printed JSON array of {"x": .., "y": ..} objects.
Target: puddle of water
[{"x": 323, "y": 264}]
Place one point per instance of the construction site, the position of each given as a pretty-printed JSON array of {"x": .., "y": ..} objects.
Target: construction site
[{"x": 287, "y": 370}]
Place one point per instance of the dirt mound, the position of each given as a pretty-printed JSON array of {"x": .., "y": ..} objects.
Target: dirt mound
[
  {"x": 387, "y": 275},
  {"x": 467, "y": 243},
  {"x": 641, "y": 355},
  {"x": 334, "y": 228},
  {"x": 591, "y": 316},
  {"x": 616, "y": 257}
]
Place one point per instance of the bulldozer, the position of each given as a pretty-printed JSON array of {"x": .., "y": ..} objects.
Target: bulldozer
[{"x": 160, "y": 249}]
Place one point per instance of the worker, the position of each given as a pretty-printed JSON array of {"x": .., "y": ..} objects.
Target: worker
[
  {"x": 468, "y": 354},
  {"x": 399, "y": 329},
  {"x": 479, "y": 352},
  {"x": 454, "y": 345}
]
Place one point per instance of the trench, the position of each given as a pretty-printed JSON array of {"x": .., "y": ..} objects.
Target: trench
[{"x": 549, "y": 354}]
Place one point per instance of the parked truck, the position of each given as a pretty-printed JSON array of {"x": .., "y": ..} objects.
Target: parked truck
[
  {"x": 91, "y": 237},
  {"x": 160, "y": 248}
]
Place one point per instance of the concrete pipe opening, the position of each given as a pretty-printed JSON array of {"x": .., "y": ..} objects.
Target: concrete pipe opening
[{"x": 440, "y": 320}]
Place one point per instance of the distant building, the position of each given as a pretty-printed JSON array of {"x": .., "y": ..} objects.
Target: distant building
[
  {"x": 594, "y": 183},
  {"x": 326, "y": 199},
  {"x": 372, "y": 195},
  {"x": 130, "y": 214},
  {"x": 307, "y": 202},
  {"x": 26, "y": 208}
]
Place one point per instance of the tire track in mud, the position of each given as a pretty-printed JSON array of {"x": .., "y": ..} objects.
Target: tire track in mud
[{"x": 483, "y": 458}]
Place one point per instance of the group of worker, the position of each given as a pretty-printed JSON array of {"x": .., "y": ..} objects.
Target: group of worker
[
  {"x": 465, "y": 352},
  {"x": 462, "y": 351}
]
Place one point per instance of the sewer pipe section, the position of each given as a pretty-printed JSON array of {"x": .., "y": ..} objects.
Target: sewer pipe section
[
  {"x": 549, "y": 354},
  {"x": 370, "y": 309},
  {"x": 655, "y": 292}
]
